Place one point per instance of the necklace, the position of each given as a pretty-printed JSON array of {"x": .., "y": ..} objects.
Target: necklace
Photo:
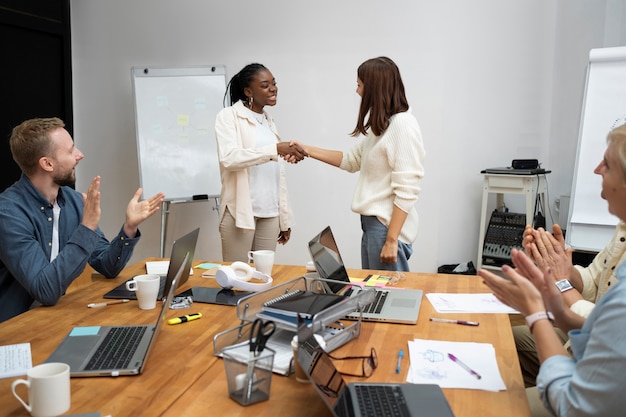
[{"x": 260, "y": 118}]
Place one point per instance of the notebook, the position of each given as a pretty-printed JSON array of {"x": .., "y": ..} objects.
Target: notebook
[
  {"x": 122, "y": 350},
  {"x": 286, "y": 308},
  {"x": 181, "y": 246},
  {"x": 304, "y": 304},
  {"x": 366, "y": 399},
  {"x": 392, "y": 305}
]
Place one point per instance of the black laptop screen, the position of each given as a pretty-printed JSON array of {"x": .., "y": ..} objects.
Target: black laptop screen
[{"x": 328, "y": 263}]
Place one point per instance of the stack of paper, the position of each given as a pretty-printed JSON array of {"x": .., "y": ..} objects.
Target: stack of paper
[{"x": 468, "y": 303}]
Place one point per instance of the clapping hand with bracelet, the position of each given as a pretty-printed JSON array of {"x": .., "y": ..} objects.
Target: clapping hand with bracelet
[{"x": 532, "y": 292}]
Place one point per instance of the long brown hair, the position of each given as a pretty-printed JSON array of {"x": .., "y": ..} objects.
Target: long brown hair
[{"x": 383, "y": 95}]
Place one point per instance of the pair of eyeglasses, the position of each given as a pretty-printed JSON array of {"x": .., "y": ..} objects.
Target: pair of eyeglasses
[{"x": 368, "y": 364}]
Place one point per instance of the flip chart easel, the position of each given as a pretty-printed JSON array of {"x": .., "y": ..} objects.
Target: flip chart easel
[{"x": 175, "y": 110}]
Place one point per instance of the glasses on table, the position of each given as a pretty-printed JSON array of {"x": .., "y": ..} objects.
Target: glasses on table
[{"x": 369, "y": 364}]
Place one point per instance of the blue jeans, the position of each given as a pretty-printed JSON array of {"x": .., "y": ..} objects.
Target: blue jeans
[{"x": 372, "y": 242}]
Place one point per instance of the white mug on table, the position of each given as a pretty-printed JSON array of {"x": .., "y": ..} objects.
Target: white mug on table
[
  {"x": 263, "y": 260},
  {"x": 48, "y": 389},
  {"x": 147, "y": 289}
]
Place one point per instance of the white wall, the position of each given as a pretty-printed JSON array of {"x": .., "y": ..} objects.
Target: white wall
[{"x": 488, "y": 82}]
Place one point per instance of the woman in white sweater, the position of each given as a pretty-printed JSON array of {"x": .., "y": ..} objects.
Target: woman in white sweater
[{"x": 390, "y": 160}]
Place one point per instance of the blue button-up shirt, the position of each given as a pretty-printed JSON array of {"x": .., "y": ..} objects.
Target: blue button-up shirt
[
  {"x": 591, "y": 383},
  {"x": 26, "y": 223}
]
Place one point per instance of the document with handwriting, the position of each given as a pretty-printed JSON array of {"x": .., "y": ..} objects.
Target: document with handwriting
[{"x": 15, "y": 360}]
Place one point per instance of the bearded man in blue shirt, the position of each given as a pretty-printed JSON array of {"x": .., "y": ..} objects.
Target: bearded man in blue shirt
[{"x": 48, "y": 230}]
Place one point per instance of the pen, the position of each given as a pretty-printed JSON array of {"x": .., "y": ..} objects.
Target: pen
[
  {"x": 108, "y": 303},
  {"x": 185, "y": 318},
  {"x": 463, "y": 322},
  {"x": 399, "y": 364},
  {"x": 464, "y": 366}
]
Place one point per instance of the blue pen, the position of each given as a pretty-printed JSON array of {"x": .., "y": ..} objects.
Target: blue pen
[{"x": 399, "y": 364}]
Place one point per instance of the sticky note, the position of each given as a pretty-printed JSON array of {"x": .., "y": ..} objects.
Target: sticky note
[{"x": 85, "y": 331}]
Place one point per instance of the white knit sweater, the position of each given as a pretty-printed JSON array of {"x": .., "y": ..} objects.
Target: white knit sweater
[{"x": 391, "y": 168}]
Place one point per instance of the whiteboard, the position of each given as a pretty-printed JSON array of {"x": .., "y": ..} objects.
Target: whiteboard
[
  {"x": 175, "y": 110},
  {"x": 590, "y": 225}
]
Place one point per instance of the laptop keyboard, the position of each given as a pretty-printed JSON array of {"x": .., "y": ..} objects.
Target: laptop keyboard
[
  {"x": 381, "y": 400},
  {"x": 117, "y": 348},
  {"x": 376, "y": 306}
]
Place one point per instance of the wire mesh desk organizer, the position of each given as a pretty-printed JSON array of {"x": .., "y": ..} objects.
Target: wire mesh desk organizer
[
  {"x": 329, "y": 323},
  {"x": 249, "y": 381}
]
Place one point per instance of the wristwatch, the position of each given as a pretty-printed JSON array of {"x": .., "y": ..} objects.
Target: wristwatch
[{"x": 564, "y": 285}]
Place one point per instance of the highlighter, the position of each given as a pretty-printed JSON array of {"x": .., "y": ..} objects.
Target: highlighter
[{"x": 184, "y": 319}]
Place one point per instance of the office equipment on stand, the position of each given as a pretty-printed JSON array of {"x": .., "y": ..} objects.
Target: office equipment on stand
[
  {"x": 533, "y": 188},
  {"x": 365, "y": 398},
  {"x": 393, "y": 305},
  {"x": 122, "y": 349}
]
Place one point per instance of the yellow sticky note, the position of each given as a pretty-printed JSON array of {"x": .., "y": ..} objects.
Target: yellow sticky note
[{"x": 183, "y": 120}]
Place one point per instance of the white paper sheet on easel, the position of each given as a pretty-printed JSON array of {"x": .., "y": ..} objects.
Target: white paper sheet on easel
[
  {"x": 430, "y": 364},
  {"x": 15, "y": 360},
  {"x": 468, "y": 303}
]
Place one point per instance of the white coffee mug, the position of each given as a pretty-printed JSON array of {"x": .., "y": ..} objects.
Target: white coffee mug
[
  {"x": 147, "y": 289},
  {"x": 263, "y": 260},
  {"x": 48, "y": 389}
]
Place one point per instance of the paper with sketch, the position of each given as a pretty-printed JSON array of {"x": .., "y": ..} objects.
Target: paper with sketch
[
  {"x": 15, "y": 360},
  {"x": 430, "y": 364},
  {"x": 468, "y": 303}
]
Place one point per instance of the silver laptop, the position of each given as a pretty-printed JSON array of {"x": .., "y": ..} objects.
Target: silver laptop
[
  {"x": 179, "y": 248},
  {"x": 392, "y": 305},
  {"x": 124, "y": 349},
  {"x": 365, "y": 399}
]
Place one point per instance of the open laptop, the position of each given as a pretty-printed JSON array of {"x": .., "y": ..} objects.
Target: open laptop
[
  {"x": 392, "y": 305},
  {"x": 365, "y": 399},
  {"x": 185, "y": 244},
  {"x": 120, "y": 350}
]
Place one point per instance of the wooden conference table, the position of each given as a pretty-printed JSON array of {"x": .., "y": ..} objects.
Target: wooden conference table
[{"x": 184, "y": 378}]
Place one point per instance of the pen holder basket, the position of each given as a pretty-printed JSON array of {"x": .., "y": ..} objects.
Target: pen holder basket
[{"x": 249, "y": 379}]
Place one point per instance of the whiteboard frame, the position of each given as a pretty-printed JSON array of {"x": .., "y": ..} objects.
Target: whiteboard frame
[
  {"x": 208, "y": 167},
  {"x": 590, "y": 226}
]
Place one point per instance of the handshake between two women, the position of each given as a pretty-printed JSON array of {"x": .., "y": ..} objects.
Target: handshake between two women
[{"x": 291, "y": 152}]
